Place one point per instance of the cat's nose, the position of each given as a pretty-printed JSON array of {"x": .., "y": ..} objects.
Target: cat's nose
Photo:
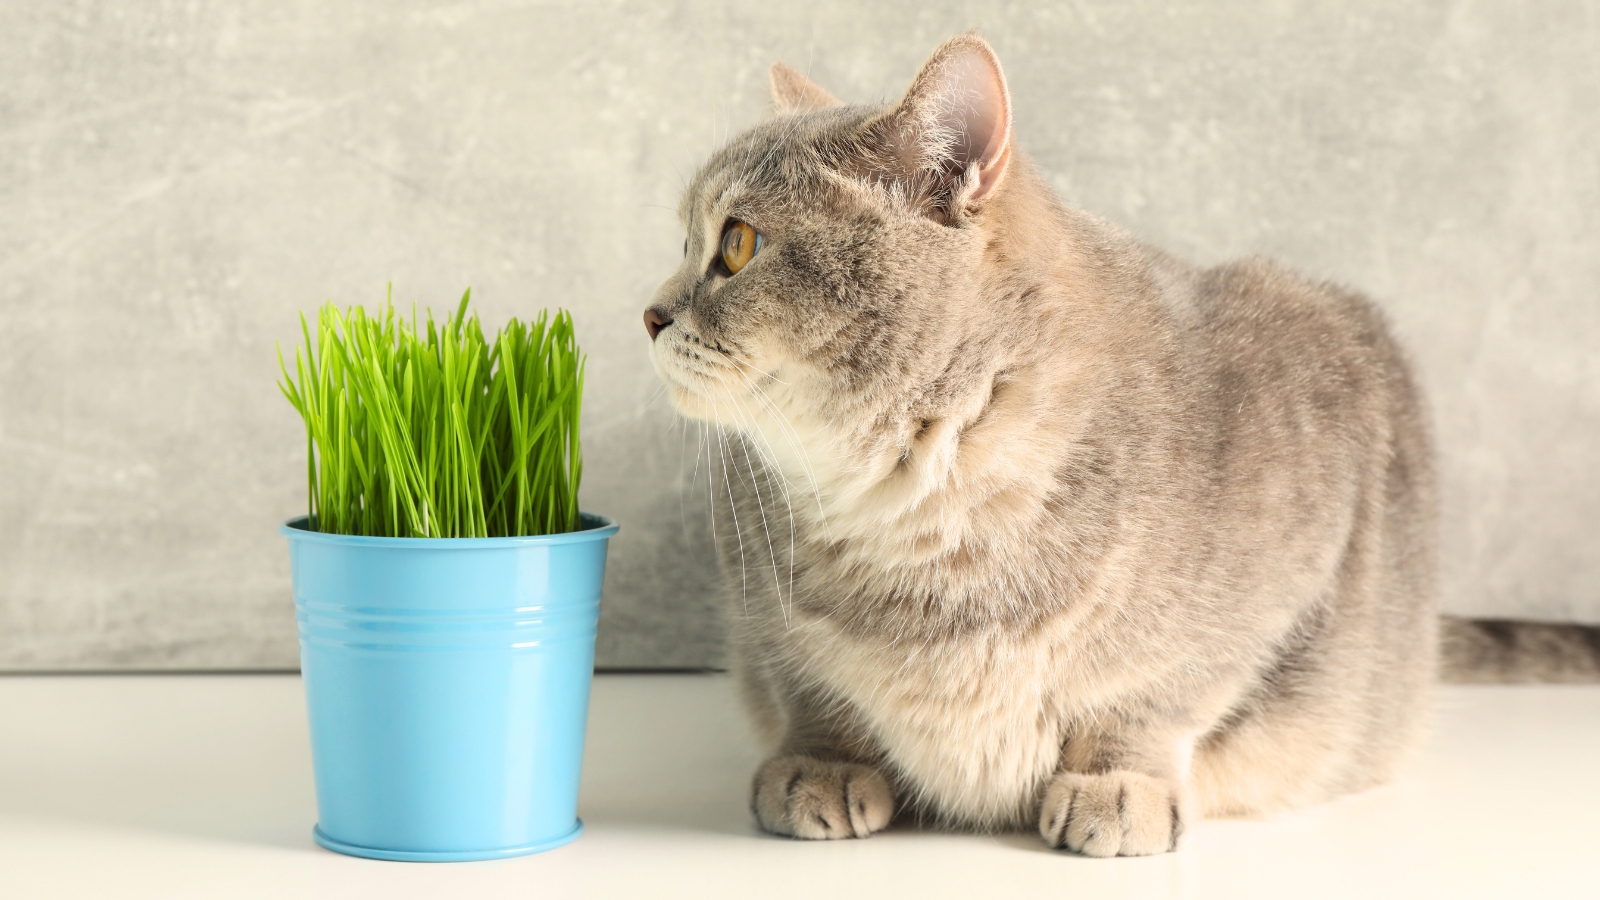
[{"x": 655, "y": 320}]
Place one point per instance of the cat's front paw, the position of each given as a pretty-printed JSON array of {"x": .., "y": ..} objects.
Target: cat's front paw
[
  {"x": 812, "y": 798},
  {"x": 1113, "y": 814}
]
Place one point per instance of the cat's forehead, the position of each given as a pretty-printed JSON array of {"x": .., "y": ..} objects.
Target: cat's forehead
[{"x": 781, "y": 158}]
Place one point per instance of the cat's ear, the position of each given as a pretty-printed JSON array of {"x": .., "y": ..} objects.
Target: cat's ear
[
  {"x": 793, "y": 92},
  {"x": 954, "y": 124}
]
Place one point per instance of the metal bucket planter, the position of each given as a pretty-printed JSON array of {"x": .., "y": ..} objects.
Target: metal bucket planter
[{"x": 447, "y": 682}]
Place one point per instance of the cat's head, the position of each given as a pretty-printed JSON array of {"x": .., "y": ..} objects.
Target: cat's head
[{"x": 833, "y": 250}]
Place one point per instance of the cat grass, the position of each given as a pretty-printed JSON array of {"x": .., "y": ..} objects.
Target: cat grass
[{"x": 424, "y": 429}]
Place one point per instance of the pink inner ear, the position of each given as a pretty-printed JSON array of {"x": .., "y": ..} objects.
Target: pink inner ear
[
  {"x": 963, "y": 95},
  {"x": 976, "y": 100}
]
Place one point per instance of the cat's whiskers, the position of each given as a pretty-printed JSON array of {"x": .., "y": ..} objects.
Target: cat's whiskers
[
  {"x": 733, "y": 507},
  {"x": 699, "y": 375},
  {"x": 761, "y": 506},
  {"x": 711, "y": 495},
  {"x": 656, "y": 397},
  {"x": 796, "y": 444},
  {"x": 772, "y": 471},
  {"x": 683, "y": 450}
]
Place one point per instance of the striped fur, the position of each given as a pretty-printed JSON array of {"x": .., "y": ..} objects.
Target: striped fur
[{"x": 1026, "y": 523}]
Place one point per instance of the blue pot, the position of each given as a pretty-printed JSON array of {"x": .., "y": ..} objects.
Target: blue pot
[{"x": 447, "y": 681}]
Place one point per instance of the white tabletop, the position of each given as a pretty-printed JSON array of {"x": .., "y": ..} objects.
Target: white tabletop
[{"x": 178, "y": 786}]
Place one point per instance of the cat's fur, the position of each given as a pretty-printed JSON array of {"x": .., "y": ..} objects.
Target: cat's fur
[{"x": 1028, "y": 523}]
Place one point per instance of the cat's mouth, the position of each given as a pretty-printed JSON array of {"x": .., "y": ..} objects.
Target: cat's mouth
[{"x": 705, "y": 379}]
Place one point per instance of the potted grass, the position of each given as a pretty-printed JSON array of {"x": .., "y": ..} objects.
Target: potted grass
[{"x": 446, "y": 584}]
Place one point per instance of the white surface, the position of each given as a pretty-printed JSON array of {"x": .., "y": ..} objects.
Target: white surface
[{"x": 200, "y": 786}]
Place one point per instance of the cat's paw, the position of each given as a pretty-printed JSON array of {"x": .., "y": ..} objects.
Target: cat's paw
[
  {"x": 1113, "y": 814},
  {"x": 811, "y": 798}
]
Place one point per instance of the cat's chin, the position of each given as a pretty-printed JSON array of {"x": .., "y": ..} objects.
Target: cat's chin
[
  {"x": 688, "y": 403},
  {"x": 715, "y": 406},
  {"x": 692, "y": 405}
]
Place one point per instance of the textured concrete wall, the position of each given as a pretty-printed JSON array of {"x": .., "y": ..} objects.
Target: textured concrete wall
[{"x": 177, "y": 180}]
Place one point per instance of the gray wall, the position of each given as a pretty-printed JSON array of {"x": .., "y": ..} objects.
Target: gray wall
[{"x": 178, "y": 180}]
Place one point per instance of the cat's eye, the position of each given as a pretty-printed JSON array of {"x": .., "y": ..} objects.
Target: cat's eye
[{"x": 740, "y": 244}]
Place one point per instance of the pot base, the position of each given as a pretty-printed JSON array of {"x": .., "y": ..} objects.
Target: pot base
[{"x": 443, "y": 855}]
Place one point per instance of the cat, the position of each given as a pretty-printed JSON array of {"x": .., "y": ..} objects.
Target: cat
[{"x": 1036, "y": 526}]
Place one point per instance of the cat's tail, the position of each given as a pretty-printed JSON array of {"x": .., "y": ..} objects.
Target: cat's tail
[{"x": 1507, "y": 651}]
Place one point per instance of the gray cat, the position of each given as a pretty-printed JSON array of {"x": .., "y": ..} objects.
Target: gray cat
[{"x": 1038, "y": 526}]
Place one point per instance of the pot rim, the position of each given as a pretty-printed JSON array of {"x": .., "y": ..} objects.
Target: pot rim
[{"x": 601, "y": 527}]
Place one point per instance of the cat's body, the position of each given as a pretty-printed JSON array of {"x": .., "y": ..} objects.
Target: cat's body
[{"x": 1028, "y": 524}]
